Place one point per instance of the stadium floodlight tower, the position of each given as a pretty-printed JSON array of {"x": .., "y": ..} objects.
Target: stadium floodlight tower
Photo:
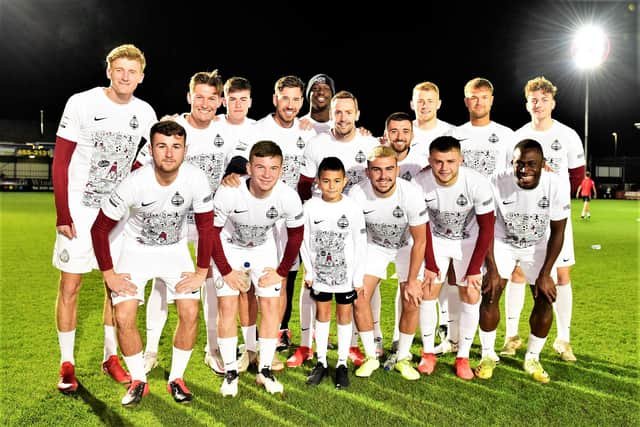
[{"x": 589, "y": 49}]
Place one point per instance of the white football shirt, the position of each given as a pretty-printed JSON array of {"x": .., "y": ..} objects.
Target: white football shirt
[
  {"x": 453, "y": 209},
  {"x": 334, "y": 247},
  {"x": 388, "y": 219},
  {"x": 248, "y": 221},
  {"x": 523, "y": 216},
  {"x": 107, "y": 137},
  {"x": 292, "y": 141},
  {"x": 155, "y": 231},
  {"x": 353, "y": 155},
  {"x": 486, "y": 149}
]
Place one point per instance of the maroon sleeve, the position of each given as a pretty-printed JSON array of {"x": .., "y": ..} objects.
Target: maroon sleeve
[
  {"x": 204, "y": 224},
  {"x": 218, "y": 252},
  {"x": 485, "y": 235},
  {"x": 429, "y": 257},
  {"x": 100, "y": 238},
  {"x": 294, "y": 240},
  {"x": 576, "y": 175},
  {"x": 63, "y": 151},
  {"x": 304, "y": 187}
]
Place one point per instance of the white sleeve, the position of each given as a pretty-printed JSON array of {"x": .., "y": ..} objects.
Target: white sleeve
[
  {"x": 222, "y": 205},
  {"x": 144, "y": 155},
  {"x": 360, "y": 248},
  {"x": 309, "y": 169},
  {"x": 560, "y": 202},
  {"x": 293, "y": 208},
  {"x": 70, "y": 123},
  {"x": 202, "y": 196},
  {"x": 305, "y": 249},
  {"x": 575, "y": 151},
  {"x": 417, "y": 212},
  {"x": 120, "y": 200},
  {"x": 483, "y": 197}
]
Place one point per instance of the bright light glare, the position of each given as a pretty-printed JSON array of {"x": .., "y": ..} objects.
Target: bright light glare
[{"x": 590, "y": 47}]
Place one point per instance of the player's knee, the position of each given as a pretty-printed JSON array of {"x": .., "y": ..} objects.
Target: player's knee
[
  {"x": 125, "y": 319},
  {"x": 189, "y": 313}
]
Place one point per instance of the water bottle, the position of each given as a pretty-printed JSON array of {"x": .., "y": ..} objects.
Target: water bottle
[
  {"x": 246, "y": 269},
  {"x": 391, "y": 361}
]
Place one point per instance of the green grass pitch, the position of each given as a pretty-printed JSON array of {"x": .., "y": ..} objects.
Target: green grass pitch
[{"x": 602, "y": 388}]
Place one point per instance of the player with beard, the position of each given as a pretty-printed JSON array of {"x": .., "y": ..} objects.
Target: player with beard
[
  {"x": 396, "y": 219},
  {"x": 156, "y": 200}
]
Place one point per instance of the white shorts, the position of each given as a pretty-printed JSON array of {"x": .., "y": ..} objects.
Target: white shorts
[
  {"x": 145, "y": 262},
  {"x": 378, "y": 259},
  {"x": 76, "y": 255},
  {"x": 567, "y": 255},
  {"x": 259, "y": 259},
  {"x": 529, "y": 259},
  {"x": 280, "y": 234},
  {"x": 141, "y": 280},
  {"x": 458, "y": 255}
]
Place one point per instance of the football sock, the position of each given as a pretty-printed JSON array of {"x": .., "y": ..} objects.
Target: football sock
[
  {"x": 428, "y": 319},
  {"x": 322, "y": 340},
  {"x": 179, "y": 362},
  {"x": 249, "y": 336},
  {"x": 534, "y": 347},
  {"x": 398, "y": 312},
  {"x": 513, "y": 304},
  {"x": 157, "y": 313},
  {"x": 135, "y": 365},
  {"x": 267, "y": 351},
  {"x": 307, "y": 315},
  {"x": 469, "y": 318},
  {"x": 228, "y": 347},
  {"x": 404, "y": 345},
  {"x": 210, "y": 314},
  {"x": 110, "y": 342},
  {"x": 67, "y": 340},
  {"x": 368, "y": 344},
  {"x": 344, "y": 334},
  {"x": 488, "y": 342},
  {"x": 562, "y": 309}
]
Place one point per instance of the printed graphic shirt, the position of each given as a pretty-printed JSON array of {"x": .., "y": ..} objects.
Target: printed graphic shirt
[
  {"x": 248, "y": 221},
  {"x": 334, "y": 247},
  {"x": 523, "y": 216},
  {"x": 388, "y": 219},
  {"x": 453, "y": 209},
  {"x": 107, "y": 137},
  {"x": 352, "y": 153},
  {"x": 486, "y": 149},
  {"x": 157, "y": 214}
]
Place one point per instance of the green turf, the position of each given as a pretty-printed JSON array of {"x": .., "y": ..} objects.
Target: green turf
[{"x": 602, "y": 388}]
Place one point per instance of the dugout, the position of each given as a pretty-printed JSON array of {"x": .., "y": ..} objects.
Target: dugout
[
  {"x": 619, "y": 174},
  {"x": 26, "y": 166}
]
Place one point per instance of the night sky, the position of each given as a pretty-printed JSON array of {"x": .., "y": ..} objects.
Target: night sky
[{"x": 51, "y": 49}]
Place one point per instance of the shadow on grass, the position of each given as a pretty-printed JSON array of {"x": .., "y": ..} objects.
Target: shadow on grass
[{"x": 101, "y": 409}]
